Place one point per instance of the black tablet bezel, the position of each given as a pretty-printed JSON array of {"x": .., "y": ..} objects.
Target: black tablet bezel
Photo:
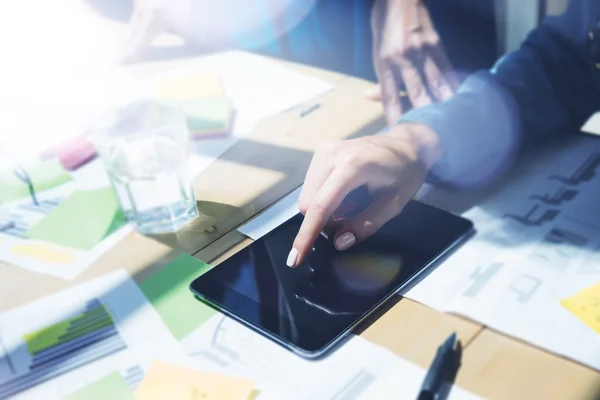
[{"x": 314, "y": 345}]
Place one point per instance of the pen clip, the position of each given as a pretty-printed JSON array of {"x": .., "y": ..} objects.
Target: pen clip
[
  {"x": 24, "y": 177},
  {"x": 309, "y": 109}
]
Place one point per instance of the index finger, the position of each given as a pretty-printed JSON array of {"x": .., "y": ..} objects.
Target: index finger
[{"x": 339, "y": 184}]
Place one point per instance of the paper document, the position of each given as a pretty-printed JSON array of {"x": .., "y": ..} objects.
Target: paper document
[
  {"x": 43, "y": 256},
  {"x": 257, "y": 87},
  {"x": 58, "y": 345},
  {"x": 80, "y": 221},
  {"x": 350, "y": 372},
  {"x": 44, "y": 175},
  {"x": 537, "y": 243},
  {"x": 283, "y": 210},
  {"x": 272, "y": 217}
]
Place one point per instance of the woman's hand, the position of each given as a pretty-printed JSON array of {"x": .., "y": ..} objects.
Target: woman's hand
[{"x": 393, "y": 167}]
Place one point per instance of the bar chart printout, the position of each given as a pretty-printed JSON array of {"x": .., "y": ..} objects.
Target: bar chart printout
[{"x": 56, "y": 349}]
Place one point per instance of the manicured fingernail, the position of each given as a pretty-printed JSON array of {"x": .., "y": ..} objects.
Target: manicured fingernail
[
  {"x": 344, "y": 241},
  {"x": 292, "y": 258}
]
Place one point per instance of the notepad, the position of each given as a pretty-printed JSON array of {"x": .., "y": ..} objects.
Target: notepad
[
  {"x": 210, "y": 116},
  {"x": 44, "y": 175},
  {"x": 169, "y": 381},
  {"x": 586, "y": 306},
  {"x": 168, "y": 291},
  {"x": 81, "y": 221},
  {"x": 190, "y": 87}
]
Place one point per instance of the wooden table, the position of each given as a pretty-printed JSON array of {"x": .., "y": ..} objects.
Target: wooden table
[{"x": 266, "y": 167}]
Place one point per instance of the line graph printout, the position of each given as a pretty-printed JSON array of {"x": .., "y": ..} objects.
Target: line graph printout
[
  {"x": 355, "y": 371},
  {"x": 59, "y": 344},
  {"x": 42, "y": 257},
  {"x": 537, "y": 242}
]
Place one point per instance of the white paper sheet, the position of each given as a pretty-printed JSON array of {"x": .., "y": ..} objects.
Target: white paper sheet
[
  {"x": 133, "y": 318},
  {"x": 537, "y": 243},
  {"x": 283, "y": 210},
  {"x": 351, "y": 372},
  {"x": 48, "y": 258},
  {"x": 258, "y": 88},
  {"x": 272, "y": 217}
]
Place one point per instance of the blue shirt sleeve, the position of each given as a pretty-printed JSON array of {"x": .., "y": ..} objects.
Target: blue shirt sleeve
[{"x": 548, "y": 86}]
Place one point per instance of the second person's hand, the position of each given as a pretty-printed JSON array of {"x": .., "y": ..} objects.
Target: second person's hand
[
  {"x": 408, "y": 56},
  {"x": 392, "y": 166}
]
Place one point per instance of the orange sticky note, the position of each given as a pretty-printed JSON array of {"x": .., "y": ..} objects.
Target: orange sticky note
[
  {"x": 169, "y": 381},
  {"x": 191, "y": 87},
  {"x": 586, "y": 306}
]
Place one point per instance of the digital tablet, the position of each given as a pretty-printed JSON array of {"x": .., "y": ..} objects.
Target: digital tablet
[{"x": 310, "y": 308}]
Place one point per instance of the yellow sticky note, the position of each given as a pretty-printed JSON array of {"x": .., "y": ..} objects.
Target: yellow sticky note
[
  {"x": 46, "y": 252},
  {"x": 586, "y": 306},
  {"x": 191, "y": 87},
  {"x": 169, "y": 381}
]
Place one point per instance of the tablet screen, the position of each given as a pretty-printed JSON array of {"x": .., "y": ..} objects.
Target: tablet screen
[{"x": 309, "y": 306}]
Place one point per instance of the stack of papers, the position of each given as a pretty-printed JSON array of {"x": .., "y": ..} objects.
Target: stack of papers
[
  {"x": 60, "y": 344},
  {"x": 531, "y": 269}
]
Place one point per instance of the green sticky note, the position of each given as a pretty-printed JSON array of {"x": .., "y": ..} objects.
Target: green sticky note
[
  {"x": 168, "y": 291},
  {"x": 44, "y": 175},
  {"x": 69, "y": 329},
  {"x": 112, "y": 386},
  {"x": 207, "y": 116},
  {"x": 80, "y": 221}
]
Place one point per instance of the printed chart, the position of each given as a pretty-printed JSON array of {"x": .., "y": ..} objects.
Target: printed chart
[
  {"x": 43, "y": 257},
  {"x": 537, "y": 243},
  {"x": 59, "y": 344}
]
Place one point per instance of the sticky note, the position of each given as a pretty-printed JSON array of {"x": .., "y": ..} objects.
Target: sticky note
[
  {"x": 112, "y": 386},
  {"x": 586, "y": 306},
  {"x": 190, "y": 87},
  {"x": 168, "y": 291},
  {"x": 169, "y": 381},
  {"x": 209, "y": 116},
  {"x": 46, "y": 252},
  {"x": 44, "y": 175},
  {"x": 81, "y": 221}
]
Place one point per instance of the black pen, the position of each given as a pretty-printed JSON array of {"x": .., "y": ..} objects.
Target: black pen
[{"x": 438, "y": 370}]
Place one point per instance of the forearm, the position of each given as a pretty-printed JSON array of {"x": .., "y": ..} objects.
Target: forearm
[{"x": 546, "y": 87}]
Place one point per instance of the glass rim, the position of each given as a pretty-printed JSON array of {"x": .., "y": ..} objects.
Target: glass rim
[{"x": 100, "y": 130}]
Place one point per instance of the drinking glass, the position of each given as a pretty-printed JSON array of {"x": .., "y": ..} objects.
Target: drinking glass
[{"x": 144, "y": 147}]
